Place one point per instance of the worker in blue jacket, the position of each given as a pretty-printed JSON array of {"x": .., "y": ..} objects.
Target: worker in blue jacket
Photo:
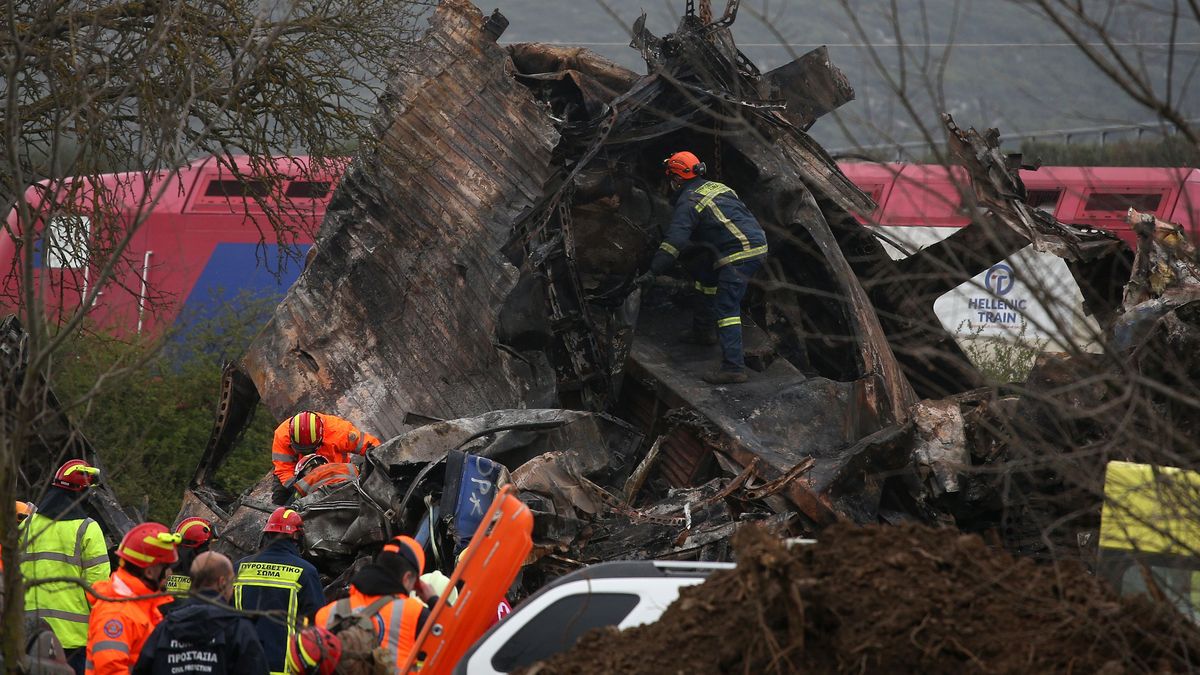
[{"x": 710, "y": 214}]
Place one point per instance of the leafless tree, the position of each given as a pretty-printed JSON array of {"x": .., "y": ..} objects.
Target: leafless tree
[{"x": 96, "y": 86}]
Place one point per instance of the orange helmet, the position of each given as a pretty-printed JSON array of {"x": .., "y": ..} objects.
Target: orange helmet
[
  {"x": 284, "y": 520},
  {"x": 149, "y": 543},
  {"x": 76, "y": 475},
  {"x": 24, "y": 510},
  {"x": 313, "y": 651},
  {"x": 195, "y": 531},
  {"x": 307, "y": 431},
  {"x": 684, "y": 165},
  {"x": 409, "y": 549},
  {"x": 308, "y": 463}
]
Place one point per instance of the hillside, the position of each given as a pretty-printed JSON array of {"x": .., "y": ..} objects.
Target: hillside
[{"x": 1045, "y": 84}]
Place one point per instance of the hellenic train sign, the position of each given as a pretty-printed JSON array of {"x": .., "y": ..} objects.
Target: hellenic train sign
[{"x": 1030, "y": 294}]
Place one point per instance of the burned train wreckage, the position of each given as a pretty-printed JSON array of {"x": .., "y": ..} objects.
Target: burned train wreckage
[{"x": 471, "y": 299}]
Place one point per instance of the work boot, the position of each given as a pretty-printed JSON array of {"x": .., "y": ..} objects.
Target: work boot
[
  {"x": 726, "y": 377},
  {"x": 704, "y": 338}
]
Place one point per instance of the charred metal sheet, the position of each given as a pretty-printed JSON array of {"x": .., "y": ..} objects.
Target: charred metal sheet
[
  {"x": 55, "y": 437},
  {"x": 397, "y": 312},
  {"x": 235, "y": 410},
  {"x": 812, "y": 87}
]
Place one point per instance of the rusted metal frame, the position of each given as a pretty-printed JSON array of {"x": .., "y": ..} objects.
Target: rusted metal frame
[
  {"x": 774, "y": 486},
  {"x": 568, "y": 315}
]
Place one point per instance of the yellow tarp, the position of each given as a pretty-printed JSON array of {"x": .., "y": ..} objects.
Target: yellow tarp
[{"x": 1151, "y": 509}]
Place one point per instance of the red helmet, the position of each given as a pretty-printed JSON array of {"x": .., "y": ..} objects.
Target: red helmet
[
  {"x": 313, "y": 651},
  {"x": 306, "y": 431},
  {"x": 685, "y": 165},
  {"x": 409, "y": 549},
  {"x": 76, "y": 475},
  {"x": 195, "y": 531},
  {"x": 308, "y": 463},
  {"x": 149, "y": 543},
  {"x": 284, "y": 520}
]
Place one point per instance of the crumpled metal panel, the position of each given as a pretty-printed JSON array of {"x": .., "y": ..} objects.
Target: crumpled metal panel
[{"x": 397, "y": 311}]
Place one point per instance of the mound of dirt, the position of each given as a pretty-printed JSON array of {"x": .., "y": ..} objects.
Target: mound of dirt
[{"x": 896, "y": 600}]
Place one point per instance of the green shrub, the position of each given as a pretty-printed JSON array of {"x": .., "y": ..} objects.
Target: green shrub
[
  {"x": 148, "y": 405},
  {"x": 1000, "y": 360}
]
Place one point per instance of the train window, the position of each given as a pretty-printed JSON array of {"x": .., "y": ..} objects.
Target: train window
[
  {"x": 67, "y": 242},
  {"x": 308, "y": 189},
  {"x": 237, "y": 188},
  {"x": 1120, "y": 202},
  {"x": 1044, "y": 200}
]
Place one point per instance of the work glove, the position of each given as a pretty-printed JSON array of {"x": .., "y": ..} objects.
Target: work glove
[
  {"x": 644, "y": 280},
  {"x": 281, "y": 494}
]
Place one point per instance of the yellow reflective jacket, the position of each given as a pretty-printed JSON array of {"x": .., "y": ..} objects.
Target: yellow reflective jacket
[{"x": 62, "y": 548}]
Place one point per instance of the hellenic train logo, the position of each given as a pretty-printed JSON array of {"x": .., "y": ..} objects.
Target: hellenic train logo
[{"x": 999, "y": 279}]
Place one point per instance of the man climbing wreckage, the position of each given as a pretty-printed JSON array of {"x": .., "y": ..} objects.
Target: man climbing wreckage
[
  {"x": 709, "y": 215},
  {"x": 307, "y": 433}
]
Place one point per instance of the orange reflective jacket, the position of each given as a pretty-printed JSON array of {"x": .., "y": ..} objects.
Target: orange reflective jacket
[
  {"x": 341, "y": 440},
  {"x": 396, "y": 622},
  {"x": 326, "y": 475},
  {"x": 117, "y": 630}
]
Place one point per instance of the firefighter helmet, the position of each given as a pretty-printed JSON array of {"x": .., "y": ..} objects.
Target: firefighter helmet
[
  {"x": 407, "y": 548},
  {"x": 24, "y": 510},
  {"x": 149, "y": 543},
  {"x": 684, "y": 165},
  {"x": 306, "y": 431},
  {"x": 308, "y": 463},
  {"x": 285, "y": 521},
  {"x": 76, "y": 475},
  {"x": 195, "y": 531},
  {"x": 313, "y": 651}
]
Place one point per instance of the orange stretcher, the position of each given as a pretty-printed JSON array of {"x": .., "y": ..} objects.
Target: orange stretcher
[{"x": 483, "y": 575}]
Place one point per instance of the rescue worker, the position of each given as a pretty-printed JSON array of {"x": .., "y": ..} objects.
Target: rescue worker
[
  {"x": 381, "y": 591},
  {"x": 59, "y": 540},
  {"x": 204, "y": 634},
  {"x": 120, "y": 625},
  {"x": 309, "y": 432},
  {"x": 278, "y": 579},
  {"x": 710, "y": 214},
  {"x": 314, "y": 472},
  {"x": 196, "y": 534},
  {"x": 314, "y": 651}
]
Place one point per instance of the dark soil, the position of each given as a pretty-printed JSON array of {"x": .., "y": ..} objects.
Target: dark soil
[{"x": 892, "y": 600}]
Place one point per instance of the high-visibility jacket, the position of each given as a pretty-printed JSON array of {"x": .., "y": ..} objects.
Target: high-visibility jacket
[
  {"x": 178, "y": 585},
  {"x": 711, "y": 214},
  {"x": 62, "y": 548},
  {"x": 341, "y": 439},
  {"x": 277, "y": 578},
  {"x": 326, "y": 475},
  {"x": 117, "y": 630},
  {"x": 397, "y": 623}
]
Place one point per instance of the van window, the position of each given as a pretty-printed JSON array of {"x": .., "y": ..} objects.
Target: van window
[
  {"x": 237, "y": 188},
  {"x": 66, "y": 242},
  {"x": 557, "y": 628},
  {"x": 308, "y": 189},
  {"x": 1120, "y": 202}
]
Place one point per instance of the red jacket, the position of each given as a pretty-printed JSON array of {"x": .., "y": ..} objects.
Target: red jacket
[
  {"x": 117, "y": 630},
  {"x": 341, "y": 440}
]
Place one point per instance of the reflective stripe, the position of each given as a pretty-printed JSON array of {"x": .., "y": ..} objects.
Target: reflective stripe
[
  {"x": 733, "y": 229},
  {"x": 60, "y": 614},
  {"x": 302, "y": 487},
  {"x": 707, "y": 290},
  {"x": 110, "y": 645},
  {"x": 98, "y": 560},
  {"x": 50, "y": 555},
  {"x": 340, "y": 608},
  {"x": 669, "y": 249},
  {"x": 396, "y": 618},
  {"x": 743, "y": 255},
  {"x": 282, "y": 457},
  {"x": 729, "y": 321}
]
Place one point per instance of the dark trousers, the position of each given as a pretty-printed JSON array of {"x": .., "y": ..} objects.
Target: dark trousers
[{"x": 719, "y": 294}]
